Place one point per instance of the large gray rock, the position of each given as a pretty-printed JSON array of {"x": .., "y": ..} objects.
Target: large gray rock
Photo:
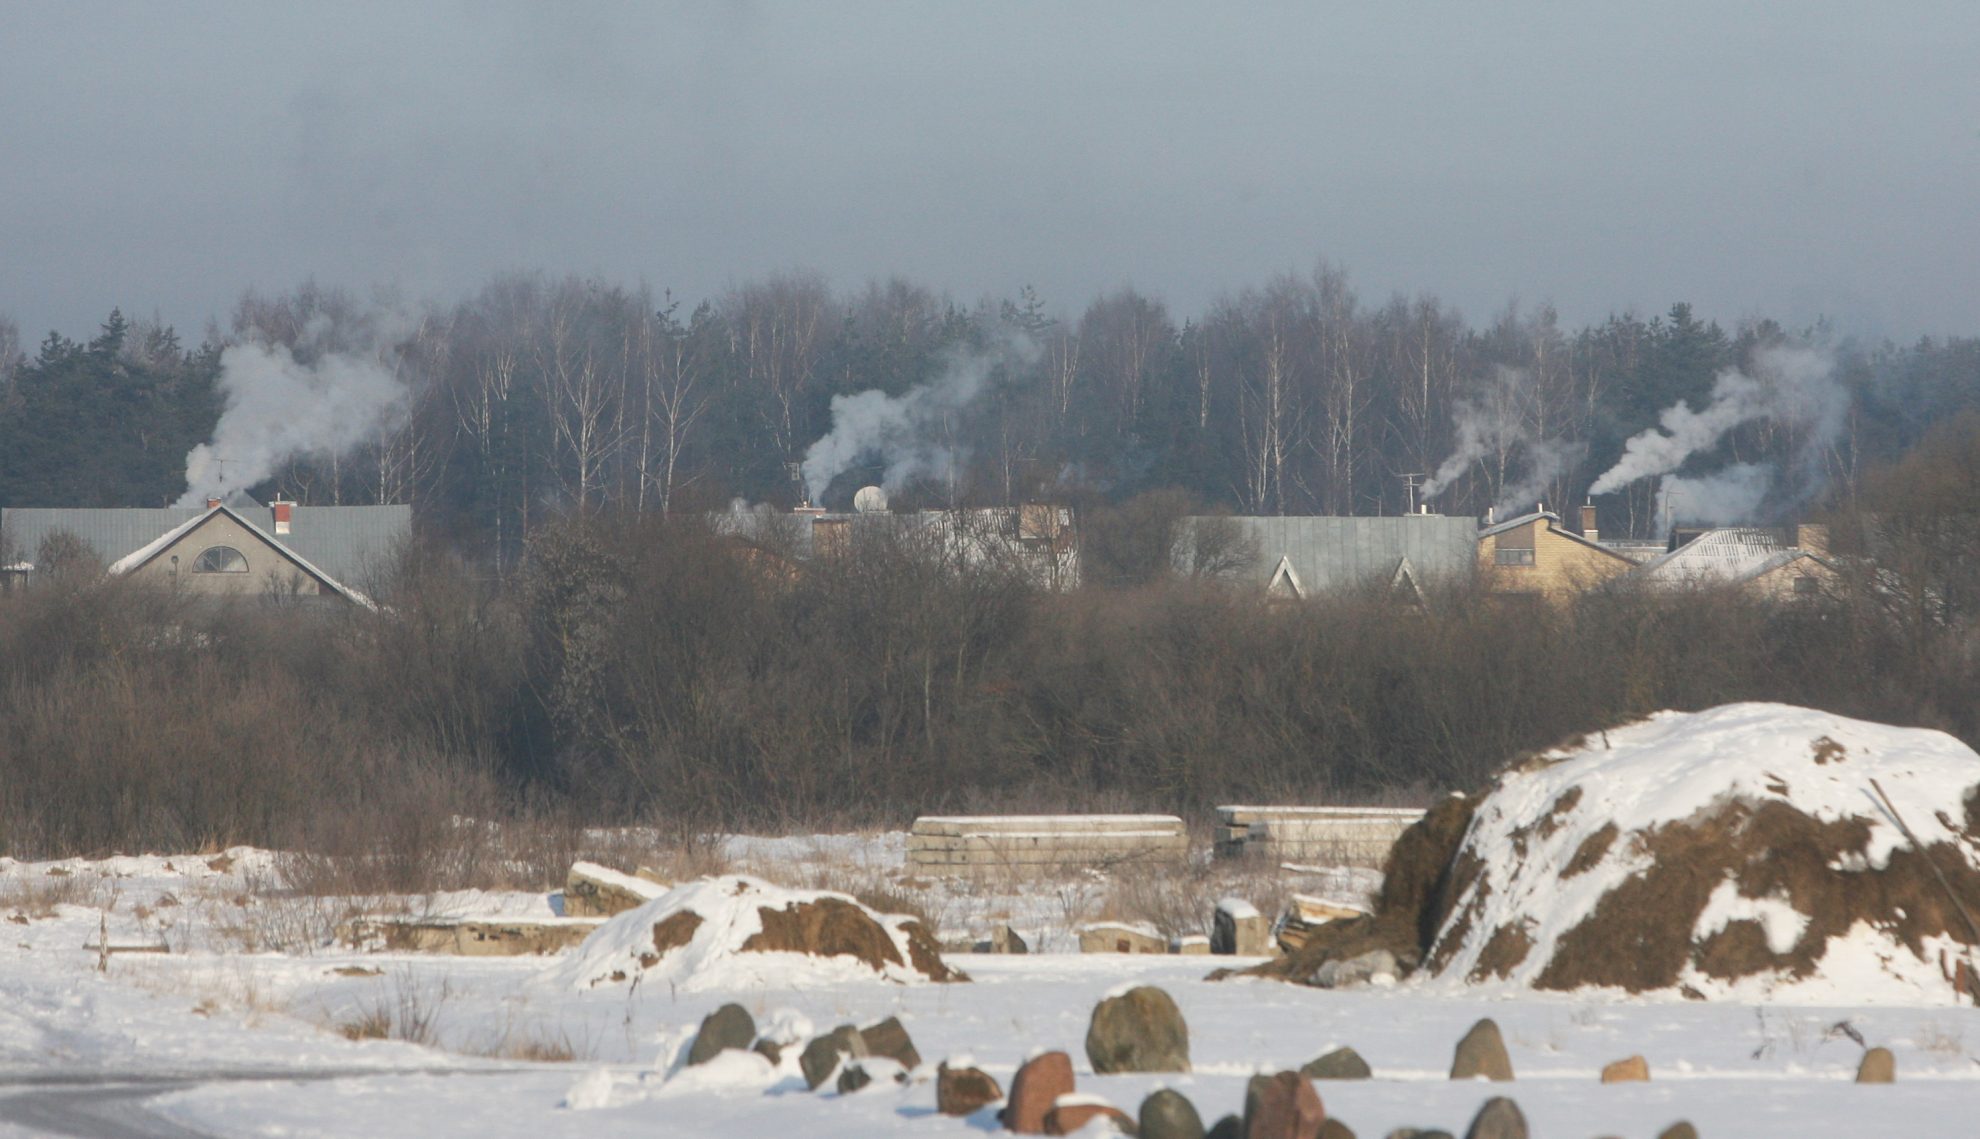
[
  {"x": 1168, "y": 1114},
  {"x": 823, "y": 1055},
  {"x": 1482, "y": 1052},
  {"x": 1500, "y": 1118},
  {"x": 1229, "y": 1127},
  {"x": 1340, "y": 1064},
  {"x": 1141, "y": 1030},
  {"x": 730, "y": 1026},
  {"x": 1682, "y": 1129}
]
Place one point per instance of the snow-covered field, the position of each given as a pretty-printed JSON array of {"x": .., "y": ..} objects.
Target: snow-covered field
[{"x": 218, "y": 1004}]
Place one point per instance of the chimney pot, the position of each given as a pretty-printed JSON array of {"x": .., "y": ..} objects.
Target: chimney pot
[
  {"x": 282, "y": 515},
  {"x": 212, "y": 503},
  {"x": 1588, "y": 529}
]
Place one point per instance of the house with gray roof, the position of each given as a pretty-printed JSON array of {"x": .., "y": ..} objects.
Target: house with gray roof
[
  {"x": 242, "y": 547},
  {"x": 1296, "y": 557}
]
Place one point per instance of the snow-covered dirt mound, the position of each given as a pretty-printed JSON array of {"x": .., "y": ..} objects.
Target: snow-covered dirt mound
[
  {"x": 1740, "y": 850},
  {"x": 737, "y": 931}
]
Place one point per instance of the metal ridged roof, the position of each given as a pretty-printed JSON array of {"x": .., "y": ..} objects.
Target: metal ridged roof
[
  {"x": 349, "y": 543},
  {"x": 1339, "y": 552}
]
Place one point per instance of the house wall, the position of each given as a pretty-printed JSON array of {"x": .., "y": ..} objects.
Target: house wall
[
  {"x": 1561, "y": 567},
  {"x": 1779, "y": 583},
  {"x": 269, "y": 573}
]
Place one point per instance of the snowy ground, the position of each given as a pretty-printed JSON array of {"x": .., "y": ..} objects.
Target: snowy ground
[{"x": 217, "y": 1006}]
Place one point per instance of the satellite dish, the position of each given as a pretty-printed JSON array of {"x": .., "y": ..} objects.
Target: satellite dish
[{"x": 870, "y": 500}]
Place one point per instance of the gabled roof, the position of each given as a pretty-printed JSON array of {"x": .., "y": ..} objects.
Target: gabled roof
[
  {"x": 1334, "y": 552},
  {"x": 343, "y": 542},
  {"x": 1285, "y": 580},
  {"x": 1404, "y": 579},
  {"x": 143, "y": 555},
  {"x": 1728, "y": 554},
  {"x": 1553, "y": 527}
]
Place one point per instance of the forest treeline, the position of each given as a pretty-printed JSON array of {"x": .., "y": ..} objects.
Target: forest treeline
[
  {"x": 539, "y": 397},
  {"x": 642, "y": 668}
]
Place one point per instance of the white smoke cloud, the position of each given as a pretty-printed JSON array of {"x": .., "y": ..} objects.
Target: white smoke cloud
[
  {"x": 278, "y": 408},
  {"x": 905, "y": 431},
  {"x": 1731, "y": 495},
  {"x": 1790, "y": 385},
  {"x": 1494, "y": 424}
]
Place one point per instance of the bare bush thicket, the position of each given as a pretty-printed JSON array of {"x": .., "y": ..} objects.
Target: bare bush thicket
[{"x": 656, "y": 673}]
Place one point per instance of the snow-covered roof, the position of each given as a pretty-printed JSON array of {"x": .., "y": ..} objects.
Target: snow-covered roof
[{"x": 1730, "y": 554}]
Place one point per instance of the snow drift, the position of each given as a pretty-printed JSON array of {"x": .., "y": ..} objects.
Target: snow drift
[
  {"x": 1742, "y": 850},
  {"x": 737, "y": 931}
]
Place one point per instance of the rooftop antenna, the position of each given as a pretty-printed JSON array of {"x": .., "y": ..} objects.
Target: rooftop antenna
[{"x": 1410, "y": 482}]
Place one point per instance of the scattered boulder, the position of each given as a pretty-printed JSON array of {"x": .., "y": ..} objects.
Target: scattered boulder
[
  {"x": 853, "y": 1077},
  {"x": 1121, "y": 937},
  {"x": 1482, "y": 1052},
  {"x": 1140, "y": 1030},
  {"x": 822, "y": 1056},
  {"x": 964, "y": 1091},
  {"x": 1168, "y": 1114},
  {"x": 890, "y": 1039},
  {"x": 770, "y": 1050},
  {"x": 1679, "y": 1130},
  {"x": 730, "y": 1026},
  {"x": 1004, "y": 939},
  {"x": 1633, "y": 1069},
  {"x": 1237, "y": 928},
  {"x": 1414, "y": 1133},
  {"x": 1340, "y": 1064},
  {"x": 1332, "y": 1128},
  {"x": 1229, "y": 1127},
  {"x": 1878, "y": 1067},
  {"x": 1035, "y": 1087},
  {"x": 1074, "y": 1112},
  {"x": 1342, "y": 973},
  {"x": 1500, "y": 1118},
  {"x": 1284, "y": 1106}
]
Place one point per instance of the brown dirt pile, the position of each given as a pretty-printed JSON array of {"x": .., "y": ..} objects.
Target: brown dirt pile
[{"x": 1420, "y": 885}]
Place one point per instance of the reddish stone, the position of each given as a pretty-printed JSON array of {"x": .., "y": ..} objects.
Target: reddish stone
[
  {"x": 1034, "y": 1089},
  {"x": 1066, "y": 1119},
  {"x": 1284, "y": 1106},
  {"x": 961, "y": 1091}
]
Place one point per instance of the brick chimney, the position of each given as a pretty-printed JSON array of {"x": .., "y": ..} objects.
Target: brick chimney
[
  {"x": 1813, "y": 537},
  {"x": 282, "y": 514},
  {"x": 1588, "y": 530},
  {"x": 212, "y": 503}
]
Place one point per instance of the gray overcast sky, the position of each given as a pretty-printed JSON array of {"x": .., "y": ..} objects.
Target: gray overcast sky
[{"x": 1786, "y": 159}]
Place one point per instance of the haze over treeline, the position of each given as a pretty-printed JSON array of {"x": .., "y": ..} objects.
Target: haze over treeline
[{"x": 538, "y": 396}]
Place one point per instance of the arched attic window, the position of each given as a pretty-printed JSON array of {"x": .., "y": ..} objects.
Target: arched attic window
[{"x": 220, "y": 559}]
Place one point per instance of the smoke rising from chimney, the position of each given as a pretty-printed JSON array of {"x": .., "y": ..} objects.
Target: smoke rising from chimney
[
  {"x": 1733, "y": 494},
  {"x": 1794, "y": 386},
  {"x": 279, "y": 408},
  {"x": 1494, "y": 425},
  {"x": 907, "y": 432}
]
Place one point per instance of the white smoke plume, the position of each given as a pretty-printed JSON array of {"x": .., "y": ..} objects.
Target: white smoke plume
[
  {"x": 278, "y": 408},
  {"x": 1790, "y": 385},
  {"x": 1494, "y": 425},
  {"x": 1720, "y": 498},
  {"x": 905, "y": 431}
]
